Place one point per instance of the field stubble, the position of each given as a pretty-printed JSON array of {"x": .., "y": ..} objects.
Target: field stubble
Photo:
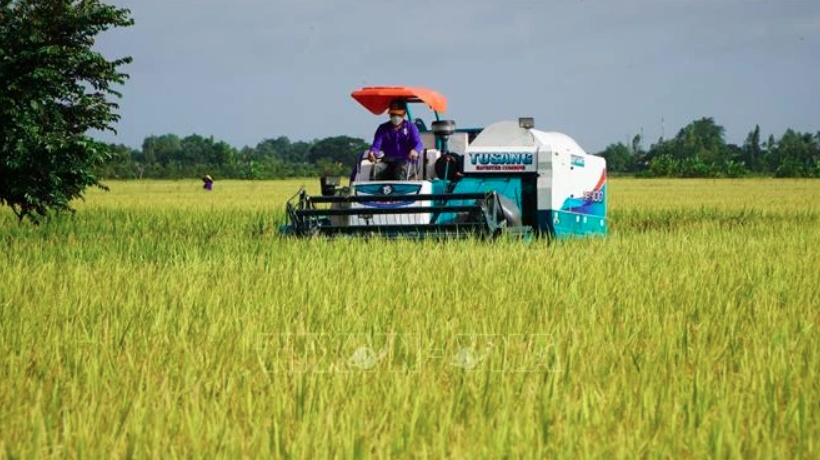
[{"x": 165, "y": 321}]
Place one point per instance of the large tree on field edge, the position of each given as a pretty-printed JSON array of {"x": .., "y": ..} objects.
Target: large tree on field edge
[{"x": 54, "y": 88}]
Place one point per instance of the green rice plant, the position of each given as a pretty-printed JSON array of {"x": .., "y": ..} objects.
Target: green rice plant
[{"x": 166, "y": 321}]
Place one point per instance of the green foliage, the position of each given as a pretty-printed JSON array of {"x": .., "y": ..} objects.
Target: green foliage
[
  {"x": 700, "y": 151},
  {"x": 619, "y": 158},
  {"x": 662, "y": 165},
  {"x": 170, "y": 156},
  {"x": 753, "y": 151},
  {"x": 55, "y": 89},
  {"x": 796, "y": 155},
  {"x": 702, "y": 138},
  {"x": 283, "y": 149},
  {"x": 339, "y": 149}
]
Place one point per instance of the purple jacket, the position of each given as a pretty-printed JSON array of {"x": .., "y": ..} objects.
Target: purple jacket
[{"x": 397, "y": 143}]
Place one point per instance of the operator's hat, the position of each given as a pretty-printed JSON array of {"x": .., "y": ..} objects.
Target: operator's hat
[{"x": 397, "y": 107}]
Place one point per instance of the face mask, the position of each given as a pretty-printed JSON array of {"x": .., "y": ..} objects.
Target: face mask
[{"x": 396, "y": 120}]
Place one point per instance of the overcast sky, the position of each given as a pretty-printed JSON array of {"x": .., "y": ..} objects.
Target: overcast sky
[{"x": 600, "y": 71}]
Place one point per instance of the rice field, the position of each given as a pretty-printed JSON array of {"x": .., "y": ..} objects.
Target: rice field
[{"x": 164, "y": 321}]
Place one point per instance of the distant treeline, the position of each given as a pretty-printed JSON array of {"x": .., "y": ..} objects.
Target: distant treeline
[
  {"x": 171, "y": 157},
  {"x": 698, "y": 150}
]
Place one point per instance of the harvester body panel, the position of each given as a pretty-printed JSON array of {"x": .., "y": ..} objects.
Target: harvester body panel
[{"x": 570, "y": 183}]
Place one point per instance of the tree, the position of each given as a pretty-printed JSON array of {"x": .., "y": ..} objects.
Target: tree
[
  {"x": 278, "y": 148},
  {"x": 54, "y": 90},
  {"x": 121, "y": 164},
  {"x": 703, "y": 139},
  {"x": 797, "y": 154},
  {"x": 195, "y": 149},
  {"x": 752, "y": 150},
  {"x": 698, "y": 150},
  {"x": 162, "y": 149},
  {"x": 339, "y": 149},
  {"x": 618, "y": 158},
  {"x": 637, "y": 150}
]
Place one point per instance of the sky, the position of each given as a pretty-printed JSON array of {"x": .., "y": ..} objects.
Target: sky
[{"x": 600, "y": 71}]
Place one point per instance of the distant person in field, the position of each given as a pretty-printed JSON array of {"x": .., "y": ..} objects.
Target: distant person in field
[
  {"x": 397, "y": 143},
  {"x": 208, "y": 182}
]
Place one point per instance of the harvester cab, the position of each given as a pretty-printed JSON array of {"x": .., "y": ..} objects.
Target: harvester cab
[{"x": 506, "y": 178}]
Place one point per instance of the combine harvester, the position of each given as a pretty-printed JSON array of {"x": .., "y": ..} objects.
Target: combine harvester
[{"x": 507, "y": 178}]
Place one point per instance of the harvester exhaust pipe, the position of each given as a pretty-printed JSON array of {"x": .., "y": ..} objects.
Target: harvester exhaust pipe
[
  {"x": 443, "y": 129},
  {"x": 447, "y": 164}
]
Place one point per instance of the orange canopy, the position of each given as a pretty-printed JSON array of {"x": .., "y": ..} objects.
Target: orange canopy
[{"x": 377, "y": 99}]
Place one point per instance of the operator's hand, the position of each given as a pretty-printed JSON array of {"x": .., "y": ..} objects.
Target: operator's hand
[
  {"x": 371, "y": 156},
  {"x": 414, "y": 154}
]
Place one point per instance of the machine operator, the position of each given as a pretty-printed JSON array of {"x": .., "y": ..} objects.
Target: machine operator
[{"x": 396, "y": 144}]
